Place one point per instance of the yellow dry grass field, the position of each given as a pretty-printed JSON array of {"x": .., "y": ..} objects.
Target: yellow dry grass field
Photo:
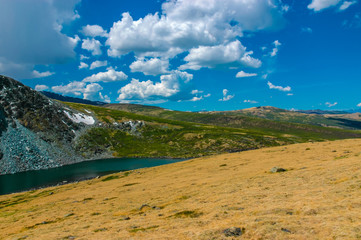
[{"x": 318, "y": 197}]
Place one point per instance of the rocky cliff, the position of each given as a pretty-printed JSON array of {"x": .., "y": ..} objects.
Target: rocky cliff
[{"x": 35, "y": 132}]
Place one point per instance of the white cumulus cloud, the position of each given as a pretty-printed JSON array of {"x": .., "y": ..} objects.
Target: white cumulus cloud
[
  {"x": 318, "y": 5},
  {"x": 89, "y": 91},
  {"x": 233, "y": 53},
  {"x": 359, "y": 105},
  {"x": 280, "y": 88},
  {"x": 37, "y": 74},
  {"x": 346, "y": 4},
  {"x": 274, "y": 52},
  {"x": 41, "y": 87},
  {"x": 109, "y": 76},
  {"x": 183, "y": 25},
  {"x": 92, "y": 45},
  {"x": 97, "y": 64},
  {"x": 94, "y": 31},
  {"x": 152, "y": 66},
  {"x": 83, "y": 65},
  {"x": 174, "y": 86},
  {"x": 226, "y": 97},
  {"x": 83, "y": 57},
  {"x": 328, "y": 104},
  {"x": 243, "y": 74},
  {"x": 250, "y": 101}
]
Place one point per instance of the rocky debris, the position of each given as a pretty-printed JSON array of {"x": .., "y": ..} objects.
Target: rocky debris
[
  {"x": 233, "y": 232},
  {"x": 285, "y": 230},
  {"x": 35, "y": 133},
  {"x": 131, "y": 127},
  {"x": 35, "y": 111},
  {"x": 24, "y": 150},
  {"x": 144, "y": 207},
  {"x": 277, "y": 169},
  {"x": 125, "y": 218}
]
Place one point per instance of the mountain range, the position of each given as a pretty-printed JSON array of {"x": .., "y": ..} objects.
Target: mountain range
[{"x": 37, "y": 132}]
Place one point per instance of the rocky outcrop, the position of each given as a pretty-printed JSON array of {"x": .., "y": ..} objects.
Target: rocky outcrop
[
  {"x": 35, "y": 132},
  {"x": 39, "y": 133}
]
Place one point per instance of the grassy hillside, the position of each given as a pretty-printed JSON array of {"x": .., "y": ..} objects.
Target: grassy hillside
[
  {"x": 182, "y": 134},
  {"x": 341, "y": 120},
  {"x": 161, "y": 137},
  {"x": 318, "y": 197},
  {"x": 239, "y": 118},
  {"x": 235, "y": 120}
]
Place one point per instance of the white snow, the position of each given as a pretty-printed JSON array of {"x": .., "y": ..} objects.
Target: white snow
[
  {"x": 80, "y": 118},
  {"x": 87, "y": 111}
]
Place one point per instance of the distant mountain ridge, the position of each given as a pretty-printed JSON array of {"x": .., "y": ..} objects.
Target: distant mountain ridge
[
  {"x": 71, "y": 99},
  {"x": 318, "y": 111}
]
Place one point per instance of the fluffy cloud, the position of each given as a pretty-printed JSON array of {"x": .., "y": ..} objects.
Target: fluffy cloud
[
  {"x": 233, "y": 53},
  {"x": 153, "y": 66},
  {"x": 83, "y": 57},
  {"x": 83, "y": 65},
  {"x": 274, "y": 52},
  {"x": 328, "y": 104},
  {"x": 174, "y": 86},
  {"x": 75, "y": 88},
  {"x": 37, "y": 74},
  {"x": 280, "y": 88},
  {"x": 109, "y": 76},
  {"x": 226, "y": 97},
  {"x": 243, "y": 74},
  {"x": 198, "y": 96},
  {"x": 41, "y": 87},
  {"x": 250, "y": 101},
  {"x": 359, "y": 105},
  {"x": 94, "y": 31},
  {"x": 92, "y": 45},
  {"x": 104, "y": 98},
  {"x": 41, "y": 23},
  {"x": 346, "y": 4},
  {"x": 319, "y": 5},
  {"x": 97, "y": 64},
  {"x": 188, "y": 24},
  {"x": 92, "y": 91},
  {"x": 89, "y": 91}
]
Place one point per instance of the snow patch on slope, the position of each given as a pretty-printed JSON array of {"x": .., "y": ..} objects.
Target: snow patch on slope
[{"x": 80, "y": 118}]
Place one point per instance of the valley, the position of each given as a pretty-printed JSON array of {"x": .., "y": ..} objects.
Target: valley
[{"x": 317, "y": 196}]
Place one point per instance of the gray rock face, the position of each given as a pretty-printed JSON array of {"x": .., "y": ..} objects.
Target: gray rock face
[
  {"x": 35, "y": 133},
  {"x": 277, "y": 169},
  {"x": 35, "y": 111},
  {"x": 233, "y": 232},
  {"x": 39, "y": 133}
]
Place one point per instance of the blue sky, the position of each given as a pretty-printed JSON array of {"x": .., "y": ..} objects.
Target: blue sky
[{"x": 188, "y": 55}]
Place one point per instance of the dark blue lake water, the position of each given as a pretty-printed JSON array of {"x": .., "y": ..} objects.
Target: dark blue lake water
[{"x": 17, "y": 182}]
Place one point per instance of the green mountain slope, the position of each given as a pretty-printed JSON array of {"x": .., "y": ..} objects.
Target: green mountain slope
[
  {"x": 167, "y": 133},
  {"x": 235, "y": 119},
  {"x": 325, "y": 118}
]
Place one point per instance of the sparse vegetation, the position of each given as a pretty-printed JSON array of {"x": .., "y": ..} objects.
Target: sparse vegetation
[
  {"x": 108, "y": 178},
  {"x": 188, "y": 214},
  {"x": 197, "y": 134}
]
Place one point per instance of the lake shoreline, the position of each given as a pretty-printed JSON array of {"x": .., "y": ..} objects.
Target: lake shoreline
[{"x": 86, "y": 170}]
